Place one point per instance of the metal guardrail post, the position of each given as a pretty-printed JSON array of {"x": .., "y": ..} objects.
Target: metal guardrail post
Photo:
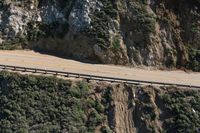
[
  {"x": 35, "y": 71},
  {"x": 45, "y": 71},
  {"x": 101, "y": 79},
  {"x": 67, "y": 75},
  {"x": 14, "y": 69},
  {"x": 138, "y": 83}
]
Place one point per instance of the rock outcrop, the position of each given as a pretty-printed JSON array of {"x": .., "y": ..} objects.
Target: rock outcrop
[{"x": 126, "y": 32}]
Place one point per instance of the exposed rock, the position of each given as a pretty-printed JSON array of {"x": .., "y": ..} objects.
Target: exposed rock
[
  {"x": 79, "y": 18},
  {"x": 13, "y": 21},
  {"x": 50, "y": 13},
  {"x": 129, "y": 32}
]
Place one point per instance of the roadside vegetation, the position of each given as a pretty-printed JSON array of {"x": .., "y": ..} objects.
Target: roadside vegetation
[
  {"x": 36, "y": 104},
  {"x": 194, "y": 59},
  {"x": 47, "y": 105},
  {"x": 182, "y": 111}
]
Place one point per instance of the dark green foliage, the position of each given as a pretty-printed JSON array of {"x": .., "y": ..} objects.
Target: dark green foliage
[
  {"x": 116, "y": 43},
  {"x": 14, "y": 43},
  {"x": 38, "y": 30},
  {"x": 46, "y": 104},
  {"x": 145, "y": 21},
  {"x": 107, "y": 95},
  {"x": 194, "y": 28},
  {"x": 194, "y": 59},
  {"x": 141, "y": 22},
  {"x": 100, "y": 23},
  {"x": 185, "y": 111},
  {"x": 145, "y": 111}
]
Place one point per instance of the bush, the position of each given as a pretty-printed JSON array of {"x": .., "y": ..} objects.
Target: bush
[
  {"x": 46, "y": 104},
  {"x": 194, "y": 59},
  {"x": 181, "y": 106}
]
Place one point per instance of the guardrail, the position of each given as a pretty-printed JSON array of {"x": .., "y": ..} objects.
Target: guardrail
[{"x": 90, "y": 77}]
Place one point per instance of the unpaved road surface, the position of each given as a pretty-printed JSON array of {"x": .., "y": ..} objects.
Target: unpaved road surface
[{"x": 42, "y": 61}]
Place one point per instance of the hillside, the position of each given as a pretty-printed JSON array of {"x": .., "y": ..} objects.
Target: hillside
[
  {"x": 32, "y": 104},
  {"x": 147, "y": 34},
  {"x": 162, "y": 33}
]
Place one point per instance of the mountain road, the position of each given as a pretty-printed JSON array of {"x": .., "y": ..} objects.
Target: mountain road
[{"x": 33, "y": 59}]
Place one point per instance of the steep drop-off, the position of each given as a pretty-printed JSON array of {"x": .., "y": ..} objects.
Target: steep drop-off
[
  {"x": 160, "y": 33},
  {"x": 45, "y": 104}
]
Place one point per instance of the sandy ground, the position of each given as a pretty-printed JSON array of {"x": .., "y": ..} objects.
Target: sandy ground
[{"x": 37, "y": 60}]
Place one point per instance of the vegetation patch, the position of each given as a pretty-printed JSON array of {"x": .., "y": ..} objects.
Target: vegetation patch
[
  {"x": 145, "y": 111},
  {"x": 194, "y": 59},
  {"x": 146, "y": 22},
  {"x": 46, "y": 104},
  {"x": 101, "y": 23},
  {"x": 116, "y": 43},
  {"x": 184, "y": 110},
  {"x": 13, "y": 44},
  {"x": 194, "y": 28}
]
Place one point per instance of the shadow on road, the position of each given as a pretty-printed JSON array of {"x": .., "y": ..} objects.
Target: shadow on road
[{"x": 91, "y": 60}]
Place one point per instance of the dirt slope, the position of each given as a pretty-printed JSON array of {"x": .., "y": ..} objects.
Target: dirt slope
[{"x": 148, "y": 109}]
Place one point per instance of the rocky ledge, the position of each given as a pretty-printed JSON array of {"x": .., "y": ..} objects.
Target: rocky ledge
[{"x": 130, "y": 32}]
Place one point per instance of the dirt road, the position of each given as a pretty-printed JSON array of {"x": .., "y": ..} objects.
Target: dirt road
[{"x": 36, "y": 60}]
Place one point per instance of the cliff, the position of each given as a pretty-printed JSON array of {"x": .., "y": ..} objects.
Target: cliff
[
  {"x": 162, "y": 33},
  {"x": 47, "y": 104}
]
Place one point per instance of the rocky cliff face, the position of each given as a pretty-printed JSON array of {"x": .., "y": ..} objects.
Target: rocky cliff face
[{"x": 162, "y": 33}]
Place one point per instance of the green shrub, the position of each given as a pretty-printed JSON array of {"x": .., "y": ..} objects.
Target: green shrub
[
  {"x": 116, "y": 43},
  {"x": 46, "y": 104},
  {"x": 181, "y": 106},
  {"x": 101, "y": 23},
  {"x": 194, "y": 28},
  {"x": 194, "y": 59}
]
